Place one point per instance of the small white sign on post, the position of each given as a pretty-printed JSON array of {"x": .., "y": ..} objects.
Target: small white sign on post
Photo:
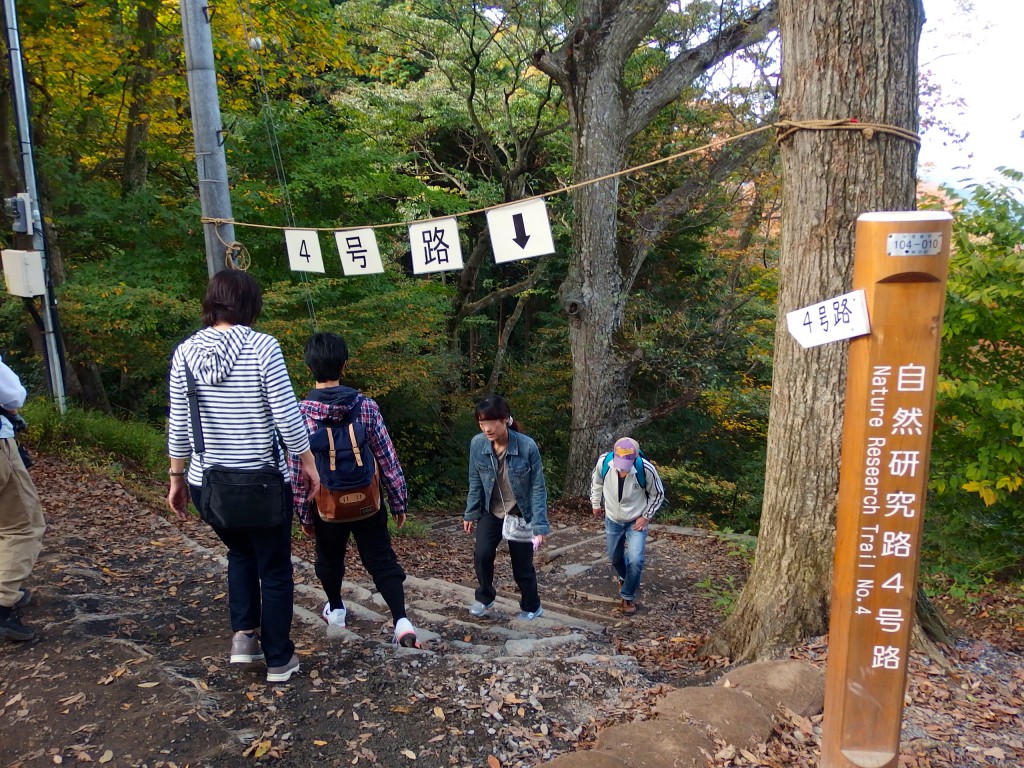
[
  {"x": 359, "y": 252},
  {"x": 520, "y": 231},
  {"x": 913, "y": 244},
  {"x": 435, "y": 246},
  {"x": 843, "y": 317},
  {"x": 23, "y": 273},
  {"x": 304, "y": 250}
]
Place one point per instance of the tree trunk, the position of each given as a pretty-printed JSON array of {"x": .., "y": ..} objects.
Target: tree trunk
[
  {"x": 841, "y": 59},
  {"x": 592, "y": 294},
  {"x": 136, "y": 159},
  {"x": 606, "y": 115}
]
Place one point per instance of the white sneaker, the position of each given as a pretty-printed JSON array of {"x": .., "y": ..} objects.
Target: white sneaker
[
  {"x": 335, "y": 618},
  {"x": 405, "y": 634}
]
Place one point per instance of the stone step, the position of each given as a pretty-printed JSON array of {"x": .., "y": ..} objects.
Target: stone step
[{"x": 460, "y": 597}]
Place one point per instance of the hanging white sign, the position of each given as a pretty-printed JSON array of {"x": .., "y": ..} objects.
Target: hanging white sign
[
  {"x": 304, "y": 250},
  {"x": 840, "y": 318},
  {"x": 520, "y": 231},
  {"x": 359, "y": 252},
  {"x": 435, "y": 246}
]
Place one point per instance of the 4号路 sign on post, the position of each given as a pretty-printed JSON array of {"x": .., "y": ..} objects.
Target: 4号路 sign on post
[{"x": 901, "y": 264}]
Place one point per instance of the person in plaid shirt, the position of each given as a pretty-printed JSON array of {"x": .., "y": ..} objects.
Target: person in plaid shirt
[{"x": 326, "y": 355}]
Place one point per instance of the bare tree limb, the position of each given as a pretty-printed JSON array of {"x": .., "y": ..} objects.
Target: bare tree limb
[{"x": 685, "y": 68}]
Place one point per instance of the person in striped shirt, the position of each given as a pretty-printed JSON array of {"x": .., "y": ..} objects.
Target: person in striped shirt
[{"x": 245, "y": 399}]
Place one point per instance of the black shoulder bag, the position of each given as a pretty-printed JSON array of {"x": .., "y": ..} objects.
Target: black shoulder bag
[{"x": 238, "y": 499}]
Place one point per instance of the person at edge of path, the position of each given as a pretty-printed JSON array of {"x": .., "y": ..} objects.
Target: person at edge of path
[
  {"x": 21, "y": 516},
  {"x": 326, "y": 355},
  {"x": 245, "y": 394},
  {"x": 628, "y": 507},
  {"x": 505, "y": 478}
]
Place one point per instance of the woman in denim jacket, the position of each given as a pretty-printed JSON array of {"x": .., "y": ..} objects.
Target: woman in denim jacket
[{"x": 506, "y": 478}]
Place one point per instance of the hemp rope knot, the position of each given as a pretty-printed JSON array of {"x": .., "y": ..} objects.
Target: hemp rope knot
[{"x": 787, "y": 128}]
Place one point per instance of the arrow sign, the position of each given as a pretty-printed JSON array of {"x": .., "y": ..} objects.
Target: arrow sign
[
  {"x": 835, "y": 319},
  {"x": 521, "y": 238},
  {"x": 520, "y": 231}
]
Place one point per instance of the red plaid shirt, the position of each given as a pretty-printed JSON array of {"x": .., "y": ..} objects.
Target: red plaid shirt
[{"x": 380, "y": 445}]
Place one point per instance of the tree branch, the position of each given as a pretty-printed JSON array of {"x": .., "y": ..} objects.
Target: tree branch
[
  {"x": 472, "y": 308},
  {"x": 685, "y": 68},
  {"x": 652, "y": 226},
  {"x": 506, "y": 334}
]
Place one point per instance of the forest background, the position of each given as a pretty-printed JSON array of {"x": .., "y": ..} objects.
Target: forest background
[{"x": 358, "y": 113}]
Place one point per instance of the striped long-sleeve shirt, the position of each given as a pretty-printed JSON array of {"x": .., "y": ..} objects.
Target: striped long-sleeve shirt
[{"x": 244, "y": 393}]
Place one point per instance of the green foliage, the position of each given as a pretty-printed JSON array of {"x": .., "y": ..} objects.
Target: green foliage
[
  {"x": 394, "y": 328},
  {"x": 982, "y": 384},
  {"x": 721, "y": 592},
  {"x": 80, "y": 433},
  {"x": 129, "y": 332},
  {"x": 703, "y": 500},
  {"x": 978, "y": 450},
  {"x": 413, "y": 528}
]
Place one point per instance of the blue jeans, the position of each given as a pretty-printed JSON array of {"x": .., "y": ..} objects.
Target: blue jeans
[
  {"x": 260, "y": 585},
  {"x": 626, "y": 552}
]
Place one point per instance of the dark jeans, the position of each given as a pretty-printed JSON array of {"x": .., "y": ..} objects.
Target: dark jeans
[
  {"x": 374, "y": 544},
  {"x": 488, "y": 537},
  {"x": 260, "y": 585}
]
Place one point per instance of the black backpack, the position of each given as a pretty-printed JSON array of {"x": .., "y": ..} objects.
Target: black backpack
[{"x": 349, "y": 478}]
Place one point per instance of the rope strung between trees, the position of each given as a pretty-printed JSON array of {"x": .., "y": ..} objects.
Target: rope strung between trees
[
  {"x": 785, "y": 128},
  {"x": 788, "y": 127}
]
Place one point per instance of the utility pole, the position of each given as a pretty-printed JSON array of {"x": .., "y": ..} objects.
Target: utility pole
[
  {"x": 211, "y": 164},
  {"x": 26, "y": 206}
]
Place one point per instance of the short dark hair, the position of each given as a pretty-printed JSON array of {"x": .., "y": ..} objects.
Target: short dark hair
[
  {"x": 493, "y": 408},
  {"x": 496, "y": 408},
  {"x": 232, "y": 297},
  {"x": 326, "y": 354}
]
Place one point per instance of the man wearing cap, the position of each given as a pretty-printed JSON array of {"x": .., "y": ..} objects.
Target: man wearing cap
[{"x": 629, "y": 497}]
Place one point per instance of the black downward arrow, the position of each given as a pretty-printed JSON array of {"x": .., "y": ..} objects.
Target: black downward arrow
[{"x": 521, "y": 238}]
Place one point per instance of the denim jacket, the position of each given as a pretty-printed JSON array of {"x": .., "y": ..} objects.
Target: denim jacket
[{"x": 525, "y": 476}]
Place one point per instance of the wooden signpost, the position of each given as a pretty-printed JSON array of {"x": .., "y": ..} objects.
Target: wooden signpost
[{"x": 901, "y": 263}]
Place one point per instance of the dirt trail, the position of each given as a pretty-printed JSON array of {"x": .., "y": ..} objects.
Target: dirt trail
[{"x": 130, "y": 666}]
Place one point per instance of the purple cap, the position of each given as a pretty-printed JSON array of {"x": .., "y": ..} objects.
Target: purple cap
[{"x": 624, "y": 453}]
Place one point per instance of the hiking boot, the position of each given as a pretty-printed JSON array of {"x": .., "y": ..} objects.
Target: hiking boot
[
  {"x": 405, "y": 634},
  {"x": 628, "y": 607},
  {"x": 479, "y": 609},
  {"x": 531, "y": 615},
  {"x": 282, "y": 673},
  {"x": 25, "y": 599},
  {"x": 12, "y": 629},
  {"x": 335, "y": 618},
  {"x": 245, "y": 648}
]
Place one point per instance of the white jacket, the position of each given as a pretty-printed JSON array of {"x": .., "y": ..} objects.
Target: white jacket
[{"x": 635, "y": 501}]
